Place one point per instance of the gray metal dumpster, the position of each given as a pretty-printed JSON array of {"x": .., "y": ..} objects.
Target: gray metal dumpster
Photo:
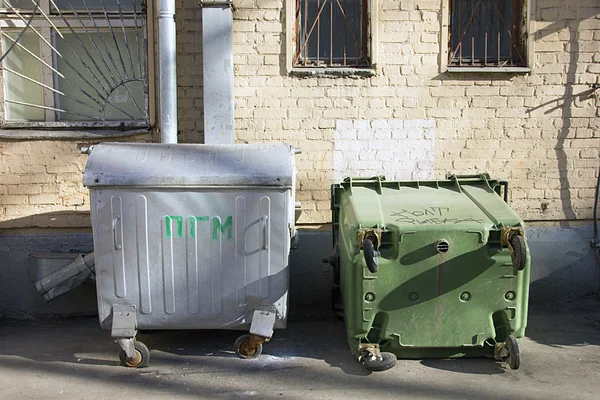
[{"x": 191, "y": 237}]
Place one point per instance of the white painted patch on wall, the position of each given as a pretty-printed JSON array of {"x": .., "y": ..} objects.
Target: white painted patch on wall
[{"x": 399, "y": 149}]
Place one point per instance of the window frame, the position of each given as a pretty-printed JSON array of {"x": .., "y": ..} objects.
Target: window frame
[
  {"x": 312, "y": 70},
  {"x": 445, "y": 46},
  {"x": 10, "y": 21}
]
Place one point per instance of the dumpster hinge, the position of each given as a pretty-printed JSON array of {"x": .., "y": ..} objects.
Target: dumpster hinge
[
  {"x": 263, "y": 322},
  {"x": 370, "y": 233},
  {"x": 124, "y": 324}
]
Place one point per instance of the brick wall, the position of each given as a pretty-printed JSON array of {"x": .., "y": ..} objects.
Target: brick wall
[
  {"x": 188, "y": 19},
  {"x": 538, "y": 130},
  {"x": 41, "y": 184}
]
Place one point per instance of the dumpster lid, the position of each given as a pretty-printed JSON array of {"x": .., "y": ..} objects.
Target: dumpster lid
[
  {"x": 463, "y": 203},
  {"x": 176, "y": 165}
]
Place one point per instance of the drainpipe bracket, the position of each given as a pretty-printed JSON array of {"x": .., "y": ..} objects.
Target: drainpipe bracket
[{"x": 216, "y": 3}]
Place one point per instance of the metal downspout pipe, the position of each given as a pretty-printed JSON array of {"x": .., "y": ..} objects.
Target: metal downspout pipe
[
  {"x": 167, "y": 71},
  {"x": 217, "y": 70}
]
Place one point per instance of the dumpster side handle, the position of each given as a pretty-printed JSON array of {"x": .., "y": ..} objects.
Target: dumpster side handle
[
  {"x": 114, "y": 229},
  {"x": 265, "y": 233}
]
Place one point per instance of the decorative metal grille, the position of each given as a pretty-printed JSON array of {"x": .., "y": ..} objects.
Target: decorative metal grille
[
  {"x": 331, "y": 33},
  {"x": 79, "y": 63},
  {"x": 487, "y": 33}
]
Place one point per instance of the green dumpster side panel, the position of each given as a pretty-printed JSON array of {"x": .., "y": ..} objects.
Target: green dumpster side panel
[{"x": 425, "y": 303}]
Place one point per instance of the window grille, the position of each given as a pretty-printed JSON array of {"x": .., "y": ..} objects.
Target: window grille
[
  {"x": 331, "y": 33},
  {"x": 81, "y": 63},
  {"x": 487, "y": 33}
]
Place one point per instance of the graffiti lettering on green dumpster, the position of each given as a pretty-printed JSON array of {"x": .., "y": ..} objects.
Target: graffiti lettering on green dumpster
[
  {"x": 217, "y": 226},
  {"x": 430, "y": 216}
]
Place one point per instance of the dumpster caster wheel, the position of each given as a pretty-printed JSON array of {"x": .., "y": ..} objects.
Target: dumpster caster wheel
[
  {"x": 142, "y": 356},
  {"x": 519, "y": 253},
  {"x": 381, "y": 363},
  {"x": 370, "y": 255},
  {"x": 244, "y": 349},
  {"x": 514, "y": 353}
]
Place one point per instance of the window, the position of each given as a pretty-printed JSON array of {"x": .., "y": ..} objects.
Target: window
[
  {"x": 487, "y": 33},
  {"x": 331, "y": 33},
  {"x": 80, "y": 64}
]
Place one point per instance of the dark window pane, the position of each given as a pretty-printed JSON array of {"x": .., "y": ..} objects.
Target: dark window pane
[
  {"x": 19, "y": 5},
  {"x": 333, "y": 36},
  {"x": 98, "y": 5},
  {"x": 483, "y": 31}
]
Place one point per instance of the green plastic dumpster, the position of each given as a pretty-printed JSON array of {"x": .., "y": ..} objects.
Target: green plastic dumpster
[{"x": 429, "y": 269}]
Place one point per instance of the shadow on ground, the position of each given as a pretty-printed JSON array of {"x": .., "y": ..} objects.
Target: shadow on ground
[
  {"x": 566, "y": 324},
  {"x": 476, "y": 366},
  {"x": 202, "y": 363},
  {"x": 310, "y": 358}
]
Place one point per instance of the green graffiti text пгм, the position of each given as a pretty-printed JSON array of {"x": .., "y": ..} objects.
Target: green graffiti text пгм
[
  {"x": 217, "y": 226},
  {"x": 193, "y": 224},
  {"x": 179, "y": 221}
]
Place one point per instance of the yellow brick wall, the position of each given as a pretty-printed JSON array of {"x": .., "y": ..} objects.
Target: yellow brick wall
[
  {"x": 41, "y": 184},
  {"x": 540, "y": 130}
]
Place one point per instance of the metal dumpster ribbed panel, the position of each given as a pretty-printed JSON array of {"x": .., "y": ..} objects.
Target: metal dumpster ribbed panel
[{"x": 196, "y": 250}]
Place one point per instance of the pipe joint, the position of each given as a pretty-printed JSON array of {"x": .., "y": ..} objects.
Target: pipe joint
[
  {"x": 208, "y": 3},
  {"x": 166, "y": 15}
]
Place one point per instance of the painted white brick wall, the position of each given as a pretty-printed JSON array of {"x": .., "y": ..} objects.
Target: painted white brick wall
[{"x": 399, "y": 149}]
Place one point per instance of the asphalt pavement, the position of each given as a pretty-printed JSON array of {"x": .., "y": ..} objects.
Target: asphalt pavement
[{"x": 73, "y": 358}]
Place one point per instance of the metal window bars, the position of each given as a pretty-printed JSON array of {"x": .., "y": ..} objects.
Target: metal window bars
[
  {"x": 89, "y": 54},
  {"x": 487, "y": 33},
  {"x": 331, "y": 33}
]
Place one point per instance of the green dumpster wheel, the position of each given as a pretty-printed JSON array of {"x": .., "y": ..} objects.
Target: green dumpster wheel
[
  {"x": 369, "y": 253},
  {"x": 514, "y": 353},
  {"x": 519, "y": 254},
  {"x": 142, "y": 356},
  {"x": 240, "y": 344},
  {"x": 375, "y": 364}
]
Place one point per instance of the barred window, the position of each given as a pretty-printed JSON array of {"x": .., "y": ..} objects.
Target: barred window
[
  {"x": 79, "y": 63},
  {"x": 487, "y": 33},
  {"x": 331, "y": 33}
]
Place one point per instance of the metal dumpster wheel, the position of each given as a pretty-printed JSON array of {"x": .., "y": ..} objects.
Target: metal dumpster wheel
[
  {"x": 514, "y": 353},
  {"x": 381, "y": 363},
  {"x": 369, "y": 253},
  {"x": 519, "y": 253},
  {"x": 142, "y": 356},
  {"x": 243, "y": 347}
]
